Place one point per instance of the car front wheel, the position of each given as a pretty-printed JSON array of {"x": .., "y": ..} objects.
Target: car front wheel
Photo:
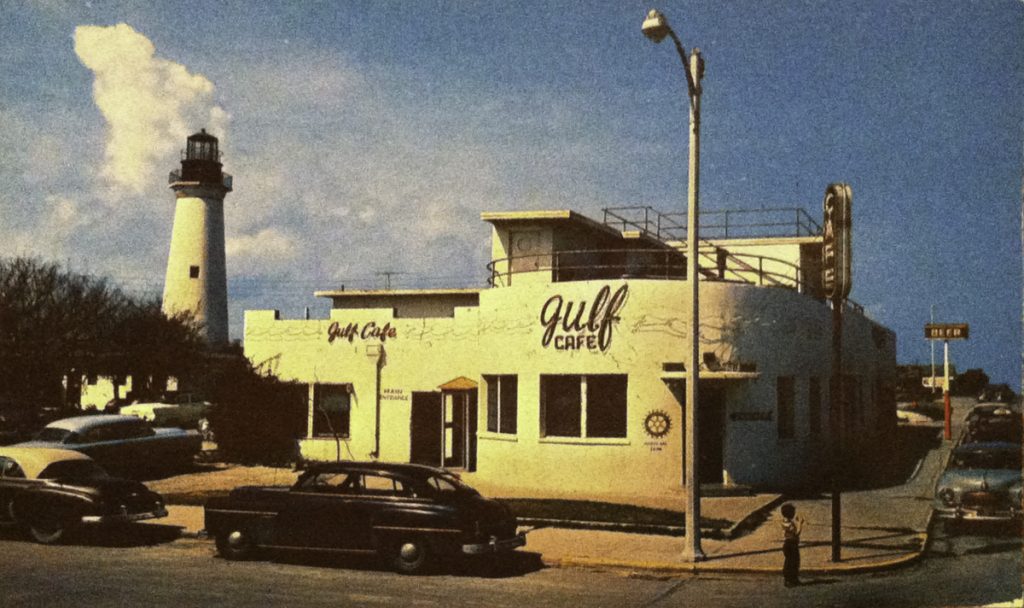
[
  {"x": 47, "y": 529},
  {"x": 235, "y": 544},
  {"x": 410, "y": 555}
]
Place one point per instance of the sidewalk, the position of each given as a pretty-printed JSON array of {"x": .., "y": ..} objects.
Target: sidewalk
[{"x": 881, "y": 529}]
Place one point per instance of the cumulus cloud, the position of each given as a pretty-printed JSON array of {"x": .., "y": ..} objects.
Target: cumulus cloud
[
  {"x": 264, "y": 252},
  {"x": 150, "y": 104}
]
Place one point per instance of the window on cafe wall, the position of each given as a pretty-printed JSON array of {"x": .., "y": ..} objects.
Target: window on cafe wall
[
  {"x": 583, "y": 406},
  {"x": 784, "y": 403},
  {"x": 814, "y": 405},
  {"x": 331, "y": 405},
  {"x": 502, "y": 403}
]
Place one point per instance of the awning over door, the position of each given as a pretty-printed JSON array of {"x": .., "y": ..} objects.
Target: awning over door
[{"x": 461, "y": 383}]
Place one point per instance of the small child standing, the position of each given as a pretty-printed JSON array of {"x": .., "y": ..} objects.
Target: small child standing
[{"x": 792, "y": 526}]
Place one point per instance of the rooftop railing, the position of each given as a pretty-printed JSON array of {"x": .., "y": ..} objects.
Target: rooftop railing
[
  {"x": 714, "y": 264},
  {"x": 717, "y": 224}
]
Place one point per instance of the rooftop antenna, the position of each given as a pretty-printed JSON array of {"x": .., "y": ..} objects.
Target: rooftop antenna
[{"x": 387, "y": 274}]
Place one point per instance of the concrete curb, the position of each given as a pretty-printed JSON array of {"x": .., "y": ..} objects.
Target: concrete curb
[
  {"x": 710, "y": 567},
  {"x": 752, "y": 519}
]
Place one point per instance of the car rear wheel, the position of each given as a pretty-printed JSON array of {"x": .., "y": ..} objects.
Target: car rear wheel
[
  {"x": 47, "y": 529},
  {"x": 235, "y": 544},
  {"x": 410, "y": 555}
]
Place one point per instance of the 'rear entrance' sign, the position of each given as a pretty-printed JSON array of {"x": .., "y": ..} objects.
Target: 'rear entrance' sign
[
  {"x": 946, "y": 331},
  {"x": 835, "y": 249}
]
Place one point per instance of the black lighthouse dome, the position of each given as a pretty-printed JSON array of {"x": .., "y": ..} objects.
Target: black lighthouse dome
[{"x": 201, "y": 159}]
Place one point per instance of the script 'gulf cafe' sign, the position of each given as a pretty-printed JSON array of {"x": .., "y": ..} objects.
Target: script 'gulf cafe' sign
[{"x": 572, "y": 325}]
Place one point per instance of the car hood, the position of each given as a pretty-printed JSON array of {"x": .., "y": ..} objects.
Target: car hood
[{"x": 970, "y": 480}]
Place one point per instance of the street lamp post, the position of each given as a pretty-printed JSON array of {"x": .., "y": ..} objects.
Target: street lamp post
[{"x": 656, "y": 27}]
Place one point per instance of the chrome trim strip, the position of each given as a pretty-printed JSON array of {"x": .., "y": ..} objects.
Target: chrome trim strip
[
  {"x": 215, "y": 510},
  {"x": 408, "y": 529}
]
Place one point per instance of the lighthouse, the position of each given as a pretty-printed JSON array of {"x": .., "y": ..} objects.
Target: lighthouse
[{"x": 196, "y": 279}]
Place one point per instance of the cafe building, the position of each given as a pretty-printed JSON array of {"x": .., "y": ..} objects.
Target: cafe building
[{"x": 566, "y": 372}]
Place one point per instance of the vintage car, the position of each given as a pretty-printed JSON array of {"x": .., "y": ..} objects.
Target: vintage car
[
  {"x": 408, "y": 514},
  {"x": 982, "y": 482},
  {"x": 992, "y": 422},
  {"x": 120, "y": 443},
  {"x": 50, "y": 492},
  {"x": 182, "y": 415}
]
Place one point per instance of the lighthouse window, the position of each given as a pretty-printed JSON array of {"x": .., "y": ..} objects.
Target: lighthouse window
[
  {"x": 583, "y": 406},
  {"x": 193, "y": 272}
]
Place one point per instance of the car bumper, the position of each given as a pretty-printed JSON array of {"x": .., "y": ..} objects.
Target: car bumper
[
  {"x": 124, "y": 517},
  {"x": 960, "y": 514},
  {"x": 495, "y": 545}
]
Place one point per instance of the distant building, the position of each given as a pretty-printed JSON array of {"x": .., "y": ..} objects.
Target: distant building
[{"x": 565, "y": 373}]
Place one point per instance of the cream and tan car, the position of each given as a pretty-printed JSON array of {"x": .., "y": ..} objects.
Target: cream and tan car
[{"x": 52, "y": 491}]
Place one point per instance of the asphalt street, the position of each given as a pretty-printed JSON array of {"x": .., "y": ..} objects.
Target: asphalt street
[{"x": 159, "y": 570}]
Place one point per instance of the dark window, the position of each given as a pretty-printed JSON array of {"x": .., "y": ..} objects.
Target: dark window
[
  {"x": 606, "y": 406},
  {"x": 502, "y": 403},
  {"x": 379, "y": 485},
  {"x": 193, "y": 272},
  {"x": 331, "y": 410},
  {"x": 73, "y": 469},
  {"x": 814, "y": 405},
  {"x": 784, "y": 404},
  {"x": 567, "y": 400},
  {"x": 561, "y": 404}
]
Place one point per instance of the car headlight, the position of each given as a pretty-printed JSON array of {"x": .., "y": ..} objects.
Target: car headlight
[{"x": 948, "y": 496}]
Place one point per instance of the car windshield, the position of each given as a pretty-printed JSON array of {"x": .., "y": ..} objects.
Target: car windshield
[
  {"x": 73, "y": 469},
  {"x": 447, "y": 483},
  {"x": 987, "y": 459},
  {"x": 52, "y": 434}
]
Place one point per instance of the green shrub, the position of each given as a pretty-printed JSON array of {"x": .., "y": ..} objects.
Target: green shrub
[{"x": 256, "y": 418}]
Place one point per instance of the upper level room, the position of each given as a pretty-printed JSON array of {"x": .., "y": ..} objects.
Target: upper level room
[{"x": 767, "y": 247}]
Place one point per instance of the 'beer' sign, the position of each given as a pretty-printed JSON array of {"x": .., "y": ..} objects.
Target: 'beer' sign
[{"x": 946, "y": 331}]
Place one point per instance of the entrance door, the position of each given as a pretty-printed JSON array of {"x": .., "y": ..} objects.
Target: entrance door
[
  {"x": 711, "y": 427},
  {"x": 425, "y": 433},
  {"x": 460, "y": 429}
]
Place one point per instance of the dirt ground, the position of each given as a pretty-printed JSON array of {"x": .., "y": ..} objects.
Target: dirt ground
[{"x": 197, "y": 484}]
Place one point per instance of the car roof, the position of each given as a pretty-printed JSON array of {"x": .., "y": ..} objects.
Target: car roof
[
  {"x": 388, "y": 467},
  {"x": 78, "y": 424},
  {"x": 33, "y": 460}
]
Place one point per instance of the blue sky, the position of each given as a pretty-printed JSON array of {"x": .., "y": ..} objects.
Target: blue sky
[{"x": 368, "y": 136}]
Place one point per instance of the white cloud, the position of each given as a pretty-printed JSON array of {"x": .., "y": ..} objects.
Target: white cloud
[
  {"x": 150, "y": 104},
  {"x": 264, "y": 253}
]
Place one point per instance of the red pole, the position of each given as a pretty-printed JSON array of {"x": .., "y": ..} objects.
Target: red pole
[
  {"x": 945, "y": 389},
  {"x": 949, "y": 428}
]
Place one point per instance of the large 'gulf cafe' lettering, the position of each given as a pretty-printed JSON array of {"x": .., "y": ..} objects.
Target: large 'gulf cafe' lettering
[
  {"x": 352, "y": 331},
  {"x": 570, "y": 325}
]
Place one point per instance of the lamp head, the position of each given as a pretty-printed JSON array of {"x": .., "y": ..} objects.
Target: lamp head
[{"x": 655, "y": 26}]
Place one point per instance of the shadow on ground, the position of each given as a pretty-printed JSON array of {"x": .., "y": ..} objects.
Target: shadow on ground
[
  {"x": 130, "y": 536},
  {"x": 514, "y": 564}
]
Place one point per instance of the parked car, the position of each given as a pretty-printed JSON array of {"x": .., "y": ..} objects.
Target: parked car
[
  {"x": 50, "y": 492},
  {"x": 1001, "y": 393},
  {"x": 983, "y": 482},
  {"x": 182, "y": 415},
  {"x": 120, "y": 442},
  {"x": 408, "y": 514},
  {"x": 993, "y": 422}
]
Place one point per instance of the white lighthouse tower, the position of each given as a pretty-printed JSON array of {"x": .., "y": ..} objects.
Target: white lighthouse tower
[{"x": 196, "y": 274}]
